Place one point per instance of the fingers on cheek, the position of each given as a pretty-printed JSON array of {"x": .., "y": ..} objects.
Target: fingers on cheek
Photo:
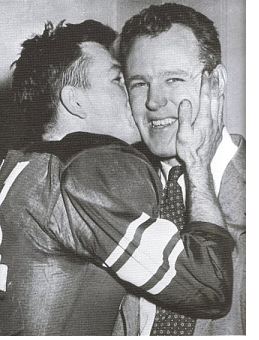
[
  {"x": 184, "y": 136},
  {"x": 215, "y": 106},
  {"x": 205, "y": 126},
  {"x": 205, "y": 85},
  {"x": 214, "y": 85}
]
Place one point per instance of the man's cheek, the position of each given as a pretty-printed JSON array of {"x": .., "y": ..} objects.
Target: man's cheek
[
  {"x": 180, "y": 93},
  {"x": 132, "y": 99},
  {"x": 192, "y": 94},
  {"x": 137, "y": 107},
  {"x": 132, "y": 104},
  {"x": 136, "y": 114}
]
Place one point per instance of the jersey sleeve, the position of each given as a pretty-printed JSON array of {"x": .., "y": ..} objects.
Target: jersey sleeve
[{"x": 112, "y": 202}]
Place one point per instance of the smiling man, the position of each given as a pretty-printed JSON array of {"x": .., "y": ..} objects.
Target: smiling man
[
  {"x": 158, "y": 79},
  {"x": 166, "y": 52}
]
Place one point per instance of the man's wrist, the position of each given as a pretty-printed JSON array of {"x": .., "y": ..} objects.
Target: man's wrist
[{"x": 198, "y": 176}]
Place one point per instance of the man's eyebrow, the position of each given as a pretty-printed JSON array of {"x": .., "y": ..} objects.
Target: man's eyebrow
[
  {"x": 135, "y": 77},
  {"x": 178, "y": 72},
  {"x": 164, "y": 73}
]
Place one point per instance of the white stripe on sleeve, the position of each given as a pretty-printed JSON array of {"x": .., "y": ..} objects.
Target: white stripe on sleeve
[
  {"x": 148, "y": 257},
  {"x": 3, "y": 277},
  {"x": 127, "y": 238},
  {"x": 171, "y": 272},
  {"x": 11, "y": 178}
]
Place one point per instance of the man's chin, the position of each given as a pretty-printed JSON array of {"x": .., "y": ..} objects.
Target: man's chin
[{"x": 162, "y": 153}]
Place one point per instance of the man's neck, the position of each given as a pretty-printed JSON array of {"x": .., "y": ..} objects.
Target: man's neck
[{"x": 65, "y": 124}]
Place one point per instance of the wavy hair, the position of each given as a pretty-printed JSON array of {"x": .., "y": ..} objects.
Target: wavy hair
[
  {"x": 50, "y": 61},
  {"x": 157, "y": 19}
]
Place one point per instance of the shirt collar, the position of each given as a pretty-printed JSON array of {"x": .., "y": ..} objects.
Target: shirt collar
[{"x": 223, "y": 156}]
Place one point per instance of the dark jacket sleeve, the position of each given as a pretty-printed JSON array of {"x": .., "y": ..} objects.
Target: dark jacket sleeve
[{"x": 112, "y": 201}]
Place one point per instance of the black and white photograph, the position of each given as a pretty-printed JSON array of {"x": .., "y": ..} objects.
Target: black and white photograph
[{"x": 123, "y": 168}]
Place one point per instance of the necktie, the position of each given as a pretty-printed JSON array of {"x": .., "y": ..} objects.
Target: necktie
[{"x": 172, "y": 208}]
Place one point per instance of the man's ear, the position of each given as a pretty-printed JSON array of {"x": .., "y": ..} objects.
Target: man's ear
[
  {"x": 72, "y": 99},
  {"x": 222, "y": 76}
]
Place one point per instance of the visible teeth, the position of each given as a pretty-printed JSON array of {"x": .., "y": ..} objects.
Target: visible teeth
[{"x": 163, "y": 122}]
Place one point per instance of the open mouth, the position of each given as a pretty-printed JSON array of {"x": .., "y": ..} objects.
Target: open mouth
[{"x": 160, "y": 123}]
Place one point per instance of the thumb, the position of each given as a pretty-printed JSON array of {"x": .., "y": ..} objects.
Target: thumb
[{"x": 185, "y": 114}]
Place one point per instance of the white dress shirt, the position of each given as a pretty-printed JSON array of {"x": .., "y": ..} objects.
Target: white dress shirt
[{"x": 223, "y": 156}]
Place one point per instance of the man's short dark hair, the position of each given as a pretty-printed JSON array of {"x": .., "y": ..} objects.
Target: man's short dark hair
[
  {"x": 50, "y": 61},
  {"x": 155, "y": 20}
]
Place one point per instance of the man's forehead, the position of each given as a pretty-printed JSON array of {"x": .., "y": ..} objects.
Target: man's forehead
[
  {"x": 176, "y": 50},
  {"x": 178, "y": 33}
]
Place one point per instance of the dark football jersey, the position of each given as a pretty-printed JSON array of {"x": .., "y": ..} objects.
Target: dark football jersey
[{"x": 79, "y": 223}]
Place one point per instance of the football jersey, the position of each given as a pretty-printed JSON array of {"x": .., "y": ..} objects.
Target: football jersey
[{"x": 80, "y": 224}]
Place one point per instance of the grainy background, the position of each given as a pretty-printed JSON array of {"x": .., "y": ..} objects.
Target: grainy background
[{"x": 20, "y": 18}]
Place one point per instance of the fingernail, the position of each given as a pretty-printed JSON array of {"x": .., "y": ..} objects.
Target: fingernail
[
  {"x": 215, "y": 73},
  {"x": 185, "y": 104},
  {"x": 214, "y": 85},
  {"x": 214, "y": 82}
]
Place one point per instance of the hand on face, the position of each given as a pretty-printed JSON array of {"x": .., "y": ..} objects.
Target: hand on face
[{"x": 197, "y": 142}]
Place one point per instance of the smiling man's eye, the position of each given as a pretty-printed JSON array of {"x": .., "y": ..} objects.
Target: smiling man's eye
[
  {"x": 137, "y": 85},
  {"x": 174, "y": 80}
]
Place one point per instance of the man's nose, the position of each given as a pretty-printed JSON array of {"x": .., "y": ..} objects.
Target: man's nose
[{"x": 156, "y": 98}]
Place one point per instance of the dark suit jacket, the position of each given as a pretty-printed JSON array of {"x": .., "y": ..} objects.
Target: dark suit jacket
[{"x": 232, "y": 200}]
